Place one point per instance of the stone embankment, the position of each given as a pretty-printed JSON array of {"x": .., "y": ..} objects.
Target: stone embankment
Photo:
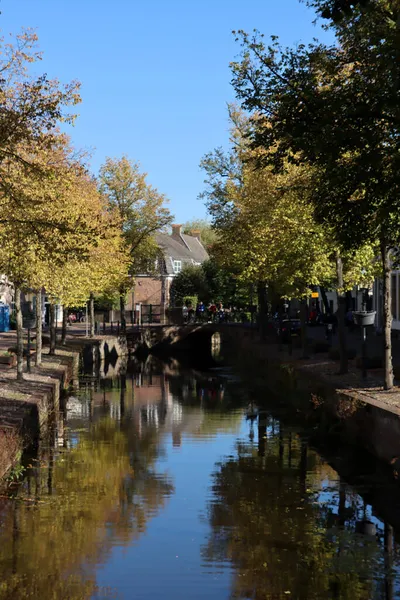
[
  {"x": 28, "y": 407},
  {"x": 361, "y": 410}
]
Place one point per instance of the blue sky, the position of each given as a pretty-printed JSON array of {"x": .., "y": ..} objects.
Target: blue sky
[{"x": 155, "y": 75}]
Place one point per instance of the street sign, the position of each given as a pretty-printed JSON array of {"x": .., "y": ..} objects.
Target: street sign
[{"x": 314, "y": 295}]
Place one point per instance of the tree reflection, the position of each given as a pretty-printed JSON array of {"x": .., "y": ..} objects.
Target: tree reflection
[
  {"x": 281, "y": 537},
  {"x": 70, "y": 511}
]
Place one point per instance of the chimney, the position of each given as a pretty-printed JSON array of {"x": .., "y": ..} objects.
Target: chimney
[
  {"x": 197, "y": 234},
  {"x": 176, "y": 233}
]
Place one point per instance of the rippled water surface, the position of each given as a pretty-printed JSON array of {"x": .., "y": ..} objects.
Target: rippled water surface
[{"x": 154, "y": 484}]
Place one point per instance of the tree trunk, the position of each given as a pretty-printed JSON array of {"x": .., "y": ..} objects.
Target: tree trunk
[
  {"x": 387, "y": 318},
  {"x": 325, "y": 300},
  {"x": 52, "y": 324},
  {"x": 303, "y": 326},
  {"x": 91, "y": 315},
  {"x": 122, "y": 310},
  {"x": 251, "y": 303},
  {"x": 38, "y": 352},
  {"x": 341, "y": 315},
  {"x": 64, "y": 325},
  {"x": 263, "y": 307},
  {"x": 20, "y": 334}
]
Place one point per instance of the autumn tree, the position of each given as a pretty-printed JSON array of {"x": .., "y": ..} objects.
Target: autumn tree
[
  {"x": 267, "y": 230},
  {"x": 31, "y": 107},
  {"x": 142, "y": 212},
  {"x": 337, "y": 108},
  {"x": 271, "y": 238},
  {"x": 54, "y": 222},
  {"x": 99, "y": 267}
]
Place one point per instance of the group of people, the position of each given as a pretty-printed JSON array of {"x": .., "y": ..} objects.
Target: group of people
[{"x": 214, "y": 312}]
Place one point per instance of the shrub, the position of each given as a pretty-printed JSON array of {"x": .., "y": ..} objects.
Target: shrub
[{"x": 189, "y": 282}]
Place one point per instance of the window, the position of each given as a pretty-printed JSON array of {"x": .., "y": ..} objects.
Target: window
[{"x": 177, "y": 266}]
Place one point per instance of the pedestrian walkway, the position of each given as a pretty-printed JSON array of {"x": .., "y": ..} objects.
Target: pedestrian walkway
[
  {"x": 318, "y": 366},
  {"x": 354, "y": 342}
]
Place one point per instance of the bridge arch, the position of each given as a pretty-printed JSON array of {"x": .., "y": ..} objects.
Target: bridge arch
[{"x": 201, "y": 337}]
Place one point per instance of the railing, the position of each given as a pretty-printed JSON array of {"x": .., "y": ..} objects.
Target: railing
[{"x": 151, "y": 313}]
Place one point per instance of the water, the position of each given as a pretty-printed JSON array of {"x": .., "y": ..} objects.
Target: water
[{"x": 155, "y": 485}]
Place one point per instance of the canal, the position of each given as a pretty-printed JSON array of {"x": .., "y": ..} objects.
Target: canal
[{"x": 155, "y": 484}]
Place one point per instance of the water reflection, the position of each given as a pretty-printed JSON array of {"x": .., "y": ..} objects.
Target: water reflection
[
  {"x": 291, "y": 527},
  {"x": 96, "y": 480},
  {"x": 153, "y": 484},
  {"x": 171, "y": 400},
  {"x": 92, "y": 485}
]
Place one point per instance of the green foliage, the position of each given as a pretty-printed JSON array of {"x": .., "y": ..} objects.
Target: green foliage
[
  {"x": 106, "y": 301},
  {"x": 208, "y": 235},
  {"x": 266, "y": 225},
  {"x": 15, "y": 474},
  {"x": 190, "y": 301},
  {"x": 189, "y": 282},
  {"x": 218, "y": 282},
  {"x": 334, "y": 108},
  {"x": 336, "y": 10},
  {"x": 140, "y": 206},
  {"x": 210, "y": 282}
]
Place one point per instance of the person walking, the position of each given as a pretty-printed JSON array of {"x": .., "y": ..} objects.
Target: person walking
[
  {"x": 200, "y": 311},
  {"x": 212, "y": 309}
]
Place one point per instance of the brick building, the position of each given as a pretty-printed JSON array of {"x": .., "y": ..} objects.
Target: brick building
[{"x": 176, "y": 251}]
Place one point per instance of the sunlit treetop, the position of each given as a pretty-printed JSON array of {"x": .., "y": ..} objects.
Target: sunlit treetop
[{"x": 31, "y": 106}]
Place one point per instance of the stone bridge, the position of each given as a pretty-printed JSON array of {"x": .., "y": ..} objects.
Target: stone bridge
[
  {"x": 200, "y": 337},
  {"x": 99, "y": 348}
]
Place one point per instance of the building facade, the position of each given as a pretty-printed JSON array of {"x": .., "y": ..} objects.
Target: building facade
[{"x": 177, "y": 250}]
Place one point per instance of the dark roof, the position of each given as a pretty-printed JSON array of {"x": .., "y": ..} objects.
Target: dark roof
[
  {"x": 189, "y": 251},
  {"x": 197, "y": 249}
]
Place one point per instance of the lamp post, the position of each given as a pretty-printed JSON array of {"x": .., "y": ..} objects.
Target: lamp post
[{"x": 364, "y": 318}]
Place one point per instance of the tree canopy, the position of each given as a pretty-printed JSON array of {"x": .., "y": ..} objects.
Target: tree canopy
[
  {"x": 266, "y": 224},
  {"x": 335, "y": 109},
  {"x": 141, "y": 207}
]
